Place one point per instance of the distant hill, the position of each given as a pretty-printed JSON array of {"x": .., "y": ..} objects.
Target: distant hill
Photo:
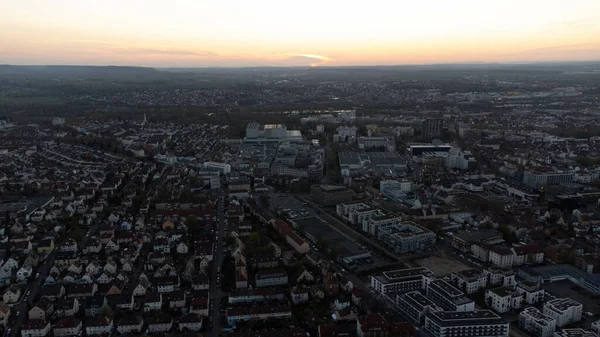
[{"x": 76, "y": 71}]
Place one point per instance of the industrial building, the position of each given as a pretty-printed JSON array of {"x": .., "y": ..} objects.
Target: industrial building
[{"x": 329, "y": 195}]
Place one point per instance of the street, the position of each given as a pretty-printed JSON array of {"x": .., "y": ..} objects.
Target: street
[{"x": 215, "y": 286}]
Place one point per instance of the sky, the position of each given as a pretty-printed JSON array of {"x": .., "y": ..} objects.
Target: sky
[{"x": 232, "y": 33}]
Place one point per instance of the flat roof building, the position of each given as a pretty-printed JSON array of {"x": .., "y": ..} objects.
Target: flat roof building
[
  {"x": 535, "y": 322},
  {"x": 448, "y": 297},
  {"x": 564, "y": 310},
  {"x": 466, "y": 324},
  {"x": 401, "y": 280},
  {"x": 329, "y": 195}
]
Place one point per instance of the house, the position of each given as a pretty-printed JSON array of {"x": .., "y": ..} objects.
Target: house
[
  {"x": 24, "y": 273},
  {"x": 66, "y": 307},
  {"x": 271, "y": 277},
  {"x": 110, "y": 266},
  {"x": 105, "y": 278},
  {"x": 67, "y": 326},
  {"x": 82, "y": 290},
  {"x": 357, "y": 297},
  {"x": 182, "y": 248},
  {"x": 200, "y": 282},
  {"x": 45, "y": 246},
  {"x": 160, "y": 323},
  {"x": 98, "y": 325},
  {"x": 140, "y": 290},
  {"x": 4, "y": 313},
  {"x": 130, "y": 324},
  {"x": 331, "y": 284},
  {"x": 69, "y": 245},
  {"x": 199, "y": 306},
  {"x": 94, "y": 268},
  {"x": 93, "y": 246},
  {"x": 166, "y": 284},
  {"x": 153, "y": 302},
  {"x": 298, "y": 243},
  {"x": 53, "y": 292},
  {"x": 35, "y": 328},
  {"x": 501, "y": 256},
  {"x": 122, "y": 302},
  {"x": 95, "y": 305},
  {"x": 42, "y": 310},
  {"x": 342, "y": 302},
  {"x": 371, "y": 325},
  {"x": 176, "y": 299},
  {"x": 302, "y": 276},
  {"x": 346, "y": 314},
  {"x": 12, "y": 295},
  {"x": 299, "y": 294},
  {"x": 192, "y": 322}
]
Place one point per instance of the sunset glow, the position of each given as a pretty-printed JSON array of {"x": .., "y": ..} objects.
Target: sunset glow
[{"x": 281, "y": 33}]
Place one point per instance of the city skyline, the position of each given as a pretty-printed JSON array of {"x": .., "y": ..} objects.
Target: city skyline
[{"x": 269, "y": 33}]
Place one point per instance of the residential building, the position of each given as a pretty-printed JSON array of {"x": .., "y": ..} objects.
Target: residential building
[
  {"x": 261, "y": 312},
  {"x": 298, "y": 243},
  {"x": 448, "y": 297},
  {"x": 67, "y": 326},
  {"x": 35, "y": 328},
  {"x": 564, "y": 310},
  {"x": 466, "y": 324},
  {"x": 501, "y": 256},
  {"x": 402, "y": 280},
  {"x": 160, "y": 323},
  {"x": 98, "y": 325},
  {"x": 503, "y": 299},
  {"x": 535, "y": 322},
  {"x": 469, "y": 280},
  {"x": 432, "y": 128},
  {"x": 498, "y": 276},
  {"x": 271, "y": 277},
  {"x": 192, "y": 322},
  {"x": 575, "y": 332},
  {"x": 415, "y": 305},
  {"x": 373, "y": 224},
  {"x": 540, "y": 177},
  {"x": 130, "y": 324},
  {"x": 532, "y": 292}
]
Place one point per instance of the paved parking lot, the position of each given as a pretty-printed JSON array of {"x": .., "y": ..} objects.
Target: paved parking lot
[{"x": 565, "y": 289}]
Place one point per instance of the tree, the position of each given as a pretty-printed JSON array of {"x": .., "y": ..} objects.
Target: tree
[
  {"x": 191, "y": 222},
  {"x": 265, "y": 200},
  {"x": 186, "y": 195}
]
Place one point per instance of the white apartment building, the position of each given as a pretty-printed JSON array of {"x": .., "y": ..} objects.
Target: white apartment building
[
  {"x": 575, "y": 332},
  {"x": 466, "y": 324},
  {"x": 448, "y": 297},
  {"x": 501, "y": 257},
  {"x": 373, "y": 224},
  {"x": 532, "y": 292},
  {"x": 535, "y": 322},
  {"x": 503, "y": 299},
  {"x": 345, "y": 210},
  {"x": 564, "y": 310},
  {"x": 469, "y": 280},
  {"x": 415, "y": 305},
  {"x": 271, "y": 277},
  {"x": 402, "y": 280},
  {"x": 500, "y": 277}
]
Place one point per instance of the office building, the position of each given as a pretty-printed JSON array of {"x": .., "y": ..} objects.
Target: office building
[
  {"x": 328, "y": 195},
  {"x": 564, "y": 310},
  {"x": 448, "y": 297},
  {"x": 432, "y": 128},
  {"x": 536, "y": 323},
  {"x": 401, "y": 281},
  {"x": 466, "y": 324}
]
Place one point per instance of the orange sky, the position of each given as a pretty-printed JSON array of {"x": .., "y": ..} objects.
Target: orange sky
[{"x": 309, "y": 32}]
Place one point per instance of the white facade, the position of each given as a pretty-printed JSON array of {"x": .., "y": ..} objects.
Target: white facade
[
  {"x": 401, "y": 281},
  {"x": 596, "y": 326},
  {"x": 503, "y": 299},
  {"x": 500, "y": 259},
  {"x": 372, "y": 225},
  {"x": 535, "y": 322},
  {"x": 470, "y": 280},
  {"x": 564, "y": 310},
  {"x": 503, "y": 277},
  {"x": 37, "y": 331},
  {"x": 465, "y": 324}
]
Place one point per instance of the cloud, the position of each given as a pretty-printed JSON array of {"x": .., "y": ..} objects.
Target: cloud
[
  {"x": 320, "y": 59},
  {"x": 149, "y": 51}
]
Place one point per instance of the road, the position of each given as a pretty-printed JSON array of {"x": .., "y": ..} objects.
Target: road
[
  {"x": 215, "y": 288},
  {"x": 32, "y": 287}
]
